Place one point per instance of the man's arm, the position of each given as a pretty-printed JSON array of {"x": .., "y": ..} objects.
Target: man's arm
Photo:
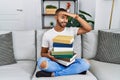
[
  {"x": 85, "y": 26},
  {"x": 46, "y": 53}
]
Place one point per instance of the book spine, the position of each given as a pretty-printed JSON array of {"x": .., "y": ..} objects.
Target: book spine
[
  {"x": 62, "y": 53},
  {"x": 62, "y": 45},
  {"x": 63, "y": 56},
  {"x": 65, "y": 63},
  {"x": 64, "y": 59},
  {"x": 62, "y": 41},
  {"x": 68, "y": 59},
  {"x": 62, "y": 49}
]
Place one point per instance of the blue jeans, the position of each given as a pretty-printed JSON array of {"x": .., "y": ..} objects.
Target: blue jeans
[{"x": 76, "y": 67}]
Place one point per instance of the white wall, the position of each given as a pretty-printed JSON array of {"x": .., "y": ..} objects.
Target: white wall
[
  {"x": 116, "y": 16},
  {"x": 102, "y": 14},
  {"x": 99, "y": 9},
  {"x": 88, "y": 6},
  {"x": 29, "y": 14},
  {"x": 38, "y": 22},
  {"x": 11, "y": 14},
  {"x": 27, "y": 19},
  {"x": 32, "y": 14}
]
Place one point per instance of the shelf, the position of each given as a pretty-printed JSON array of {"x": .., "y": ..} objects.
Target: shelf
[
  {"x": 48, "y": 14},
  {"x": 47, "y": 27},
  {"x": 59, "y": 0}
]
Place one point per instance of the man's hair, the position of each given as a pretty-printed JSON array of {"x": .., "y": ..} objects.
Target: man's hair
[{"x": 59, "y": 10}]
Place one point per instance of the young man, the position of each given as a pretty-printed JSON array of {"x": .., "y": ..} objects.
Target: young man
[{"x": 47, "y": 63}]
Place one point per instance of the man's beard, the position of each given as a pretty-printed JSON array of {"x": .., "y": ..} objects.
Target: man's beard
[{"x": 60, "y": 23}]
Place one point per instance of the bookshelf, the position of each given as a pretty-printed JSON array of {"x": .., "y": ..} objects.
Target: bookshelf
[{"x": 47, "y": 18}]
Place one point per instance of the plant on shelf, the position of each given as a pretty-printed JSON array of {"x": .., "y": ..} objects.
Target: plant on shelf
[
  {"x": 51, "y": 24},
  {"x": 68, "y": 6},
  {"x": 50, "y": 9},
  {"x": 74, "y": 23}
]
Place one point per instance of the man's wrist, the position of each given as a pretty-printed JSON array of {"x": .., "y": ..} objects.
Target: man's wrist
[{"x": 76, "y": 16}]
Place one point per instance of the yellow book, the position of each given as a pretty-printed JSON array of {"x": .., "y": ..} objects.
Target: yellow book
[{"x": 63, "y": 39}]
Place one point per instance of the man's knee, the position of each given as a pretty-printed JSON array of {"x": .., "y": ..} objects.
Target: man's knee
[
  {"x": 43, "y": 64},
  {"x": 86, "y": 64}
]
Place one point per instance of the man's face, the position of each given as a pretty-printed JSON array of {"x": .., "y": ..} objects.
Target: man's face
[{"x": 62, "y": 19}]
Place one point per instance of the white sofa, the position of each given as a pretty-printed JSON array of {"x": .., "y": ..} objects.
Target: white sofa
[{"x": 27, "y": 46}]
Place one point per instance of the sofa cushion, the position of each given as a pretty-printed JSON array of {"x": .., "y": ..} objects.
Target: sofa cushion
[
  {"x": 24, "y": 45},
  {"x": 77, "y": 45},
  {"x": 108, "y": 47},
  {"x": 88, "y": 76},
  {"x": 39, "y": 41},
  {"x": 6, "y": 49},
  {"x": 89, "y": 44},
  {"x": 22, "y": 70},
  {"x": 105, "y": 71}
]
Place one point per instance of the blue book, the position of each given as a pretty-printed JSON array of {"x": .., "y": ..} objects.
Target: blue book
[{"x": 62, "y": 45}]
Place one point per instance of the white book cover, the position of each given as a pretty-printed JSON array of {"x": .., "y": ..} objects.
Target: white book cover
[
  {"x": 62, "y": 49},
  {"x": 71, "y": 59},
  {"x": 65, "y": 63}
]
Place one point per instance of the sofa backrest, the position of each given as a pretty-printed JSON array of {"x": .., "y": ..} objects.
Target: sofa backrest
[
  {"x": 76, "y": 44},
  {"x": 23, "y": 44},
  {"x": 90, "y": 43},
  {"x": 39, "y": 41}
]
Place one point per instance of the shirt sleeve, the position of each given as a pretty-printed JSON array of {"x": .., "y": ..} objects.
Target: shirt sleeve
[{"x": 44, "y": 40}]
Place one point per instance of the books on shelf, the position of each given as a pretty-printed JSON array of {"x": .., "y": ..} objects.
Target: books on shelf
[{"x": 63, "y": 39}]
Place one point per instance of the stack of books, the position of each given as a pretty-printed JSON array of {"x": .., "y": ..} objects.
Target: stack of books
[{"x": 63, "y": 49}]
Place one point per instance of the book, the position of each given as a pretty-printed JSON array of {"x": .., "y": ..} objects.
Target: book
[
  {"x": 63, "y": 39},
  {"x": 62, "y": 53},
  {"x": 62, "y": 45},
  {"x": 62, "y": 49},
  {"x": 63, "y": 56},
  {"x": 68, "y": 59},
  {"x": 65, "y": 63}
]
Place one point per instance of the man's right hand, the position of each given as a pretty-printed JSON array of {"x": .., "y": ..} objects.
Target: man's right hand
[
  {"x": 46, "y": 53},
  {"x": 51, "y": 57}
]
